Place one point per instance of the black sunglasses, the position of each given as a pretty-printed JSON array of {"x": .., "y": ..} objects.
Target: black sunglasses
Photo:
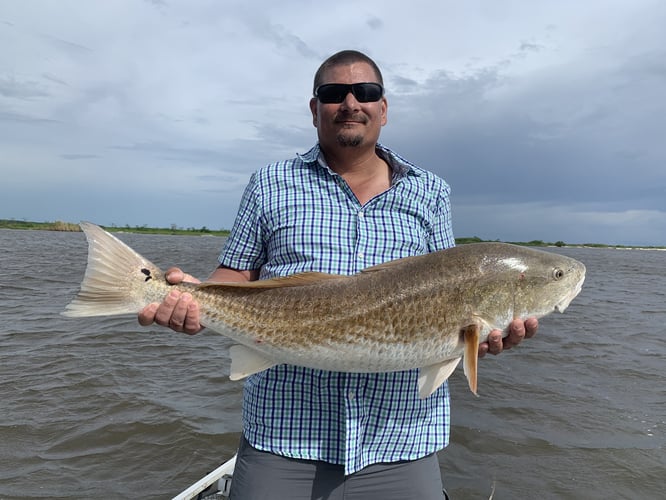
[{"x": 335, "y": 93}]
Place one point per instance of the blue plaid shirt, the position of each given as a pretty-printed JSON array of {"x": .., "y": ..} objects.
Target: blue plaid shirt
[{"x": 298, "y": 215}]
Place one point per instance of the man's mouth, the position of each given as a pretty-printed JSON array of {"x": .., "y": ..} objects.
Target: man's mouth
[{"x": 350, "y": 119}]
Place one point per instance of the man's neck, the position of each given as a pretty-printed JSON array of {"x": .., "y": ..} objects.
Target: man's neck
[
  {"x": 365, "y": 172},
  {"x": 353, "y": 160}
]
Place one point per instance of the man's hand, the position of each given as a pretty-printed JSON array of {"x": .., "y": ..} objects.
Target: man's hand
[
  {"x": 518, "y": 330},
  {"x": 177, "y": 311}
]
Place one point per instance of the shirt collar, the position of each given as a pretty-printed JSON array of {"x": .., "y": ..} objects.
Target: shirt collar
[{"x": 399, "y": 166}]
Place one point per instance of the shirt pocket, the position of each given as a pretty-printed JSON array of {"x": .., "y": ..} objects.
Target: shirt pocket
[{"x": 404, "y": 233}]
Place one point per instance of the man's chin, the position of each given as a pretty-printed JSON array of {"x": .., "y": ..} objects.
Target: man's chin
[{"x": 349, "y": 141}]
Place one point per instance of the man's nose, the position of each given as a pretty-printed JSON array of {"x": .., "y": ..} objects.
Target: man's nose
[{"x": 350, "y": 101}]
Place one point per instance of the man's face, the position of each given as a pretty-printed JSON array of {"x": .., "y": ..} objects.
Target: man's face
[{"x": 350, "y": 123}]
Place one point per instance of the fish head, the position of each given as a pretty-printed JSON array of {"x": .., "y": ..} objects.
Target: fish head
[
  {"x": 521, "y": 282},
  {"x": 545, "y": 281}
]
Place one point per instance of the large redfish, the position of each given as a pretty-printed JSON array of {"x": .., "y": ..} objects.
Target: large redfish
[{"x": 423, "y": 312}]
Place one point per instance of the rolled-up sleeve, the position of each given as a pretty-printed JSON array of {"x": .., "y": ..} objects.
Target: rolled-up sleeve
[
  {"x": 244, "y": 249},
  {"x": 441, "y": 226}
]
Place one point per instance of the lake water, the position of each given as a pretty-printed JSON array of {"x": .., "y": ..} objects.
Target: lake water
[{"x": 103, "y": 408}]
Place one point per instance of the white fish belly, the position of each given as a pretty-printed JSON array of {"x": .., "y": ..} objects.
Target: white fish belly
[{"x": 358, "y": 357}]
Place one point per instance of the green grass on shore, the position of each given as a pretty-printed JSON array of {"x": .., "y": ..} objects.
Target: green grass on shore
[{"x": 71, "y": 227}]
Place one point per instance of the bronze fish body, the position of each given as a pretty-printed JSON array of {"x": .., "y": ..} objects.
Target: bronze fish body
[{"x": 423, "y": 312}]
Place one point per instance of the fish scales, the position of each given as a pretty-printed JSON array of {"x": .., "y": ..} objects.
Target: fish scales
[
  {"x": 352, "y": 310},
  {"x": 418, "y": 312}
]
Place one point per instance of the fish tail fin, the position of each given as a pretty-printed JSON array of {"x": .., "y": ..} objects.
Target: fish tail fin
[
  {"x": 471, "y": 334},
  {"x": 117, "y": 279}
]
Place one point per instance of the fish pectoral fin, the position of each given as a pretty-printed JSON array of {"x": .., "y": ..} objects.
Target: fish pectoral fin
[
  {"x": 246, "y": 362},
  {"x": 431, "y": 377},
  {"x": 471, "y": 334}
]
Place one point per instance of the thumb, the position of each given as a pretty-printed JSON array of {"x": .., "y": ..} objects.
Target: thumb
[{"x": 174, "y": 275}]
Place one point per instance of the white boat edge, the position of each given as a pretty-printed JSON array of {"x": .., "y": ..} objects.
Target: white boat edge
[{"x": 226, "y": 469}]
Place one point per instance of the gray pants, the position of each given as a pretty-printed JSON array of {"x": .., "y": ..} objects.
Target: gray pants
[{"x": 264, "y": 476}]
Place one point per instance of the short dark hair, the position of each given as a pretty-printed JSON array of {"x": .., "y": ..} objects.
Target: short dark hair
[{"x": 343, "y": 58}]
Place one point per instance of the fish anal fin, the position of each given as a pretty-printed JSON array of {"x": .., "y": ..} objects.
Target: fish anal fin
[
  {"x": 301, "y": 279},
  {"x": 246, "y": 362},
  {"x": 431, "y": 377},
  {"x": 471, "y": 335}
]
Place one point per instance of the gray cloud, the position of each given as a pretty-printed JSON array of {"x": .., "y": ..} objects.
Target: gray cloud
[
  {"x": 78, "y": 156},
  {"x": 546, "y": 126},
  {"x": 26, "y": 90},
  {"x": 577, "y": 148},
  {"x": 66, "y": 45},
  {"x": 280, "y": 36},
  {"x": 8, "y": 116},
  {"x": 375, "y": 23}
]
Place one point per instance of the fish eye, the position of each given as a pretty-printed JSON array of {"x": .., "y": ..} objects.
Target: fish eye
[{"x": 558, "y": 274}]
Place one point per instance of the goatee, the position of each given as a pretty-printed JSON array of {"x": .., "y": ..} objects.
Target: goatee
[{"x": 349, "y": 141}]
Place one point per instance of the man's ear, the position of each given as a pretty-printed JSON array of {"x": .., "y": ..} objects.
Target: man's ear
[{"x": 313, "y": 110}]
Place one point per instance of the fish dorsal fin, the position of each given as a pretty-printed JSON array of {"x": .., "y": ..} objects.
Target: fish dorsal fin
[
  {"x": 246, "y": 362},
  {"x": 431, "y": 377},
  {"x": 390, "y": 264},
  {"x": 301, "y": 279}
]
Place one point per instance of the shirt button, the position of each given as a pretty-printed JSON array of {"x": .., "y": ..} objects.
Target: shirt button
[
  {"x": 360, "y": 215},
  {"x": 351, "y": 396},
  {"x": 360, "y": 255}
]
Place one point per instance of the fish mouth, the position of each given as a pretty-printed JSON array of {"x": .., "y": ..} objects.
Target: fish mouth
[{"x": 561, "y": 306}]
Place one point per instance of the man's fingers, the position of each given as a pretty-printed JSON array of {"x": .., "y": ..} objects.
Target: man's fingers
[
  {"x": 166, "y": 309},
  {"x": 495, "y": 345},
  {"x": 192, "y": 324},
  {"x": 147, "y": 314},
  {"x": 179, "y": 314},
  {"x": 531, "y": 327},
  {"x": 517, "y": 332},
  {"x": 178, "y": 311}
]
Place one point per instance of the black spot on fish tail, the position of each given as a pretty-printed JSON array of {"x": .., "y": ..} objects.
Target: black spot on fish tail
[{"x": 147, "y": 273}]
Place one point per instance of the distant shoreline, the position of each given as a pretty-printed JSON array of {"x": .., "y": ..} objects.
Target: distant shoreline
[
  {"x": 73, "y": 228},
  {"x": 204, "y": 231}
]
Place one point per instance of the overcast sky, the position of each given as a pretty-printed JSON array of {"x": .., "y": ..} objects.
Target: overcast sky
[{"x": 547, "y": 118}]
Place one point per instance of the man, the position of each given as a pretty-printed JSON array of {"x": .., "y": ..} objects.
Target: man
[{"x": 346, "y": 204}]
